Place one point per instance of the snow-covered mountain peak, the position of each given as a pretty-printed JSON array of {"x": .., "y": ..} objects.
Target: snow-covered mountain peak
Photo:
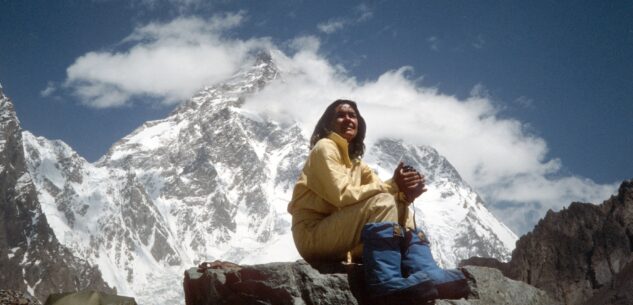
[
  {"x": 451, "y": 212},
  {"x": 436, "y": 166},
  {"x": 213, "y": 102},
  {"x": 229, "y": 92},
  {"x": 212, "y": 181}
]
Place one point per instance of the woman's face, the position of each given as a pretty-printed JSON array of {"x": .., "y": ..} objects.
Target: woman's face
[{"x": 345, "y": 122}]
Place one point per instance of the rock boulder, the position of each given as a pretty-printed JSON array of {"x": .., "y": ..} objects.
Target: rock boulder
[{"x": 302, "y": 283}]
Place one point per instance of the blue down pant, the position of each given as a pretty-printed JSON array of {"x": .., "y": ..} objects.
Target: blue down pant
[
  {"x": 417, "y": 257},
  {"x": 382, "y": 259}
]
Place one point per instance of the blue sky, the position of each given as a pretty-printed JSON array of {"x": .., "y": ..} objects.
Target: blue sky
[{"x": 560, "y": 72}]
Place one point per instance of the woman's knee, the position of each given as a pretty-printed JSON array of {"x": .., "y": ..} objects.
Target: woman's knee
[
  {"x": 383, "y": 201},
  {"x": 383, "y": 206}
]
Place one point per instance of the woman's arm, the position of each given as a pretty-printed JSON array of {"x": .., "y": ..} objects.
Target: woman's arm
[
  {"x": 329, "y": 178},
  {"x": 368, "y": 175}
]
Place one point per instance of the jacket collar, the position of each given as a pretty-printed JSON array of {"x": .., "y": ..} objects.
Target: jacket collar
[{"x": 343, "y": 146}]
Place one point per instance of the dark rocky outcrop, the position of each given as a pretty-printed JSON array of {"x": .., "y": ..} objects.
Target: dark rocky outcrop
[
  {"x": 332, "y": 284},
  {"x": 275, "y": 283},
  {"x": 11, "y": 297},
  {"x": 31, "y": 257},
  {"x": 580, "y": 255}
]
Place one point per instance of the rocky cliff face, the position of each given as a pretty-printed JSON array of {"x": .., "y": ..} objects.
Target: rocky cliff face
[
  {"x": 31, "y": 258},
  {"x": 581, "y": 252}
]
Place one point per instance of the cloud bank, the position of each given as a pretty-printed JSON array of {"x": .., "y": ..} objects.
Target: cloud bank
[
  {"x": 496, "y": 155},
  {"x": 506, "y": 164},
  {"x": 167, "y": 62}
]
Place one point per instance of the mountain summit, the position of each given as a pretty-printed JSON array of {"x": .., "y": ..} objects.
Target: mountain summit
[{"x": 212, "y": 181}]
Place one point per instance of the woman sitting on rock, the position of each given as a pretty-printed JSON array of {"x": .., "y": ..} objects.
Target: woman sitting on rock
[{"x": 339, "y": 205}]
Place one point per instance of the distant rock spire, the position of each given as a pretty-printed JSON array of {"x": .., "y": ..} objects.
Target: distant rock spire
[{"x": 32, "y": 257}]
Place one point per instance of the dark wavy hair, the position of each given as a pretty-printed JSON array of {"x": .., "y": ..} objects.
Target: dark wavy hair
[{"x": 323, "y": 128}]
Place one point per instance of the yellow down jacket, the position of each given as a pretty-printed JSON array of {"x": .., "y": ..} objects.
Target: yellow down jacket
[{"x": 331, "y": 183}]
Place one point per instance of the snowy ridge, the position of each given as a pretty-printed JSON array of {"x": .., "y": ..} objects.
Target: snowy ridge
[
  {"x": 212, "y": 181},
  {"x": 94, "y": 212},
  {"x": 450, "y": 212},
  {"x": 35, "y": 260}
]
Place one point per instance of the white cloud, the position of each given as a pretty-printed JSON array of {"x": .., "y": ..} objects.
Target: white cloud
[
  {"x": 434, "y": 43},
  {"x": 498, "y": 156},
  {"x": 331, "y": 26},
  {"x": 521, "y": 201},
  {"x": 364, "y": 13},
  {"x": 305, "y": 43},
  {"x": 361, "y": 13},
  {"x": 168, "y": 61},
  {"x": 479, "y": 42},
  {"x": 505, "y": 163},
  {"x": 49, "y": 90},
  {"x": 524, "y": 102}
]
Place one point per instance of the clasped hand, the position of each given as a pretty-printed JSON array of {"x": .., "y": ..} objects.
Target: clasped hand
[{"x": 409, "y": 181}]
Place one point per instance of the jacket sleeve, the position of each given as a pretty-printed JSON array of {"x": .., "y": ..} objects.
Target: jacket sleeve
[
  {"x": 329, "y": 178},
  {"x": 369, "y": 176}
]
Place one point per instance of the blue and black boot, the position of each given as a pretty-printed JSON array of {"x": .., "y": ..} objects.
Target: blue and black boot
[
  {"x": 382, "y": 256},
  {"x": 417, "y": 257}
]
